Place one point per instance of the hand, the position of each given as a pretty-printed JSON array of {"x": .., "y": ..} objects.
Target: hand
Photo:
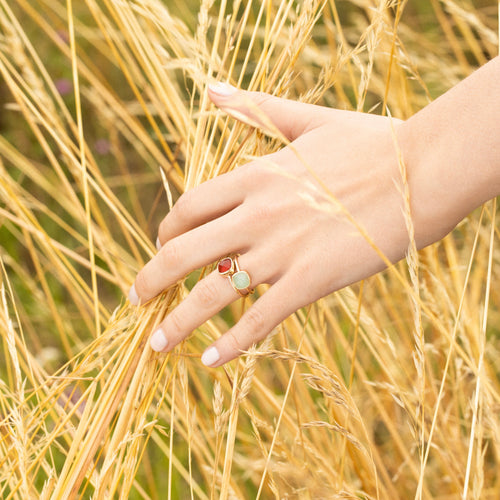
[{"x": 293, "y": 230}]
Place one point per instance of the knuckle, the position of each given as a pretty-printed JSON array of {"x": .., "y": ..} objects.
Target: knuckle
[
  {"x": 170, "y": 255},
  {"x": 206, "y": 293},
  {"x": 261, "y": 171},
  {"x": 245, "y": 172},
  {"x": 183, "y": 206},
  {"x": 264, "y": 212},
  {"x": 302, "y": 274},
  {"x": 234, "y": 342},
  {"x": 143, "y": 284},
  {"x": 254, "y": 173},
  {"x": 174, "y": 322},
  {"x": 302, "y": 270},
  {"x": 258, "y": 214},
  {"x": 261, "y": 98},
  {"x": 264, "y": 168},
  {"x": 254, "y": 321}
]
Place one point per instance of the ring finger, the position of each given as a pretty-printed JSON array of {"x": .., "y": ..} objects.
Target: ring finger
[{"x": 208, "y": 297}]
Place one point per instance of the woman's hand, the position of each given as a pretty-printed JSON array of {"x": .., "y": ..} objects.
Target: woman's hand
[{"x": 305, "y": 235}]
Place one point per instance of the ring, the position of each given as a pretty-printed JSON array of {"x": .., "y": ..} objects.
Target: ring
[{"x": 240, "y": 280}]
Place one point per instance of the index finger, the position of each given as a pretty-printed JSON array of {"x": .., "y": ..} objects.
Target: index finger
[{"x": 204, "y": 203}]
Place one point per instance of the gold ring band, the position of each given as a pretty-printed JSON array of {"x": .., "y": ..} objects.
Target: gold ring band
[{"x": 240, "y": 280}]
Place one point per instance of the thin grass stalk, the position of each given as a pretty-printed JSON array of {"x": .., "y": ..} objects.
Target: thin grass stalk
[
  {"x": 480, "y": 370},
  {"x": 81, "y": 140}
]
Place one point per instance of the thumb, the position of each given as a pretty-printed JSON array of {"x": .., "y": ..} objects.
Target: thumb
[{"x": 275, "y": 115}]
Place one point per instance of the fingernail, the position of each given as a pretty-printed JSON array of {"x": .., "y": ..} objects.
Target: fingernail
[
  {"x": 158, "y": 244},
  {"x": 132, "y": 296},
  {"x": 158, "y": 340},
  {"x": 222, "y": 89},
  {"x": 210, "y": 356}
]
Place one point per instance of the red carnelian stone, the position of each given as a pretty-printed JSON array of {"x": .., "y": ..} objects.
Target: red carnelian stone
[{"x": 225, "y": 265}]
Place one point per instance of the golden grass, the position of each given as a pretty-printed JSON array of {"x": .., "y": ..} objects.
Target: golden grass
[{"x": 388, "y": 389}]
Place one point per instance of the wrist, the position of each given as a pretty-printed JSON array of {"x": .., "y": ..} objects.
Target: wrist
[
  {"x": 452, "y": 154},
  {"x": 436, "y": 202}
]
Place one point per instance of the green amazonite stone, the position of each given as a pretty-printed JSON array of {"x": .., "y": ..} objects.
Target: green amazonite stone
[{"x": 241, "y": 280}]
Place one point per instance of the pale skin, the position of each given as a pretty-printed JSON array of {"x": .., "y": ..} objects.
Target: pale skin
[{"x": 286, "y": 226}]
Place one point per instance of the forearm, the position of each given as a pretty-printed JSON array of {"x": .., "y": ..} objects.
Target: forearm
[{"x": 452, "y": 148}]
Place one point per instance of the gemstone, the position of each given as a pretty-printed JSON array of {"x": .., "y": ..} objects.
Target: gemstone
[
  {"x": 225, "y": 265},
  {"x": 241, "y": 280}
]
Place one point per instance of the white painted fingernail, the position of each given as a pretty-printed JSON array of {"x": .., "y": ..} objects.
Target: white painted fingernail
[
  {"x": 132, "y": 296},
  {"x": 158, "y": 340},
  {"x": 222, "y": 89},
  {"x": 210, "y": 356},
  {"x": 158, "y": 244}
]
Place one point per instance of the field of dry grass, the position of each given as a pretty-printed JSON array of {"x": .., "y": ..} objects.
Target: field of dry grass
[{"x": 389, "y": 389}]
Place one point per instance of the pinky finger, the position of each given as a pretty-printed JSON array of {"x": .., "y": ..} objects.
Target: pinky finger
[{"x": 257, "y": 322}]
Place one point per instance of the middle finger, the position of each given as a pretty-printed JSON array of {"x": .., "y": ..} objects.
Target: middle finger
[{"x": 189, "y": 251}]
